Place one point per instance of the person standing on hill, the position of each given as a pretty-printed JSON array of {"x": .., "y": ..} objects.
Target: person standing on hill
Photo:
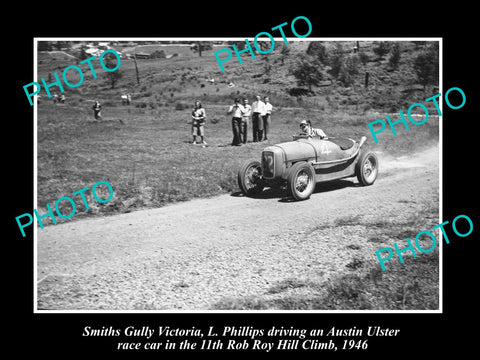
[
  {"x": 198, "y": 122},
  {"x": 266, "y": 117},
  {"x": 237, "y": 110},
  {"x": 245, "y": 121},
  {"x": 258, "y": 110},
  {"x": 97, "y": 108}
]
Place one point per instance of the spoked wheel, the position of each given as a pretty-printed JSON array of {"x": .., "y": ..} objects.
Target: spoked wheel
[
  {"x": 367, "y": 168},
  {"x": 301, "y": 180},
  {"x": 250, "y": 178}
]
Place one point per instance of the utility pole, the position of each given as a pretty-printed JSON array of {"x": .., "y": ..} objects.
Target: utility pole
[{"x": 136, "y": 68}]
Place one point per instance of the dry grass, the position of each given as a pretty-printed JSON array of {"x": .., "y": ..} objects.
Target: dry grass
[{"x": 409, "y": 286}]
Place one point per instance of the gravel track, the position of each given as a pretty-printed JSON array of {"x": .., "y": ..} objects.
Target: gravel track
[{"x": 188, "y": 256}]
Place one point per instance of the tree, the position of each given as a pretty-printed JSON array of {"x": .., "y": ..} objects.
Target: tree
[
  {"x": 44, "y": 46},
  {"x": 394, "y": 59},
  {"x": 267, "y": 66},
  {"x": 381, "y": 49},
  {"x": 60, "y": 45},
  {"x": 284, "y": 53},
  {"x": 335, "y": 60},
  {"x": 426, "y": 67},
  {"x": 419, "y": 44},
  {"x": 83, "y": 53},
  {"x": 348, "y": 70},
  {"x": 112, "y": 76},
  {"x": 364, "y": 58},
  {"x": 240, "y": 45},
  {"x": 264, "y": 47},
  {"x": 308, "y": 72},
  {"x": 200, "y": 46},
  {"x": 317, "y": 49},
  {"x": 343, "y": 68},
  {"x": 158, "y": 54}
]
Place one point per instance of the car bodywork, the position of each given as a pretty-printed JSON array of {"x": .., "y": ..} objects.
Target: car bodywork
[{"x": 305, "y": 161}]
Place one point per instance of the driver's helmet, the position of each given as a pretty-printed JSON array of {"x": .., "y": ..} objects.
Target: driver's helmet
[{"x": 303, "y": 125}]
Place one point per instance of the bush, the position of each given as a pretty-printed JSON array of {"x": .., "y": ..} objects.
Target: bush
[
  {"x": 395, "y": 56},
  {"x": 381, "y": 49},
  {"x": 180, "y": 106},
  {"x": 364, "y": 58},
  {"x": 158, "y": 54},
  {"x": 366, "y": 108}
]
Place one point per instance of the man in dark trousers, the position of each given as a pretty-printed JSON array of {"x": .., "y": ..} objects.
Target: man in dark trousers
[
  {"x": 245, "y": 120},
  {"x": 258, "y": 110},
  {"x": 266, "y": 118}
]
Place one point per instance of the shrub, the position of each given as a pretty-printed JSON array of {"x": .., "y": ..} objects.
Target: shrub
[
  {"x": 381, "y": 49},
  {"x": 366, "y": 107},
  {"x": 180, "y": 106},
  {"x": 395, "y": 56}
]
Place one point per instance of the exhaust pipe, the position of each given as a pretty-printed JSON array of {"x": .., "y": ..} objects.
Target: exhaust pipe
[{"x": 362, "y": 140}]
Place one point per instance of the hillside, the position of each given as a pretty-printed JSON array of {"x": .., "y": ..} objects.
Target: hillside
[
  {"x": 144, "y": 150},
  {"x": 181, "y": 78}
]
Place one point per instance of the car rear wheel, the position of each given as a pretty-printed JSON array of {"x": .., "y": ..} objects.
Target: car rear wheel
[
  {"x": 367, "y": 168},
  {"x": 301, "y": 180},
  {"x": 250, "y": 178}
]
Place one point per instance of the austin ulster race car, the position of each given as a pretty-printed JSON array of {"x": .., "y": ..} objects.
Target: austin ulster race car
[{"x": 306, "y": 161}]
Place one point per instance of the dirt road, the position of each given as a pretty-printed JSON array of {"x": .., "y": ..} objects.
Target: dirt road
[{"x": 191, "y": 255}]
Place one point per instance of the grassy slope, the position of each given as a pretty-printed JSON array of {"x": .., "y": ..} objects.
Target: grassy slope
[{"x": 142, "y": 149}]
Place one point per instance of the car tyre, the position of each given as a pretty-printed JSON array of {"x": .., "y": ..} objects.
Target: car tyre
[
  {"x": 250, "y": 178},
  {"x": 366, "y": 168},
  {"x": 301, "y": 180}
]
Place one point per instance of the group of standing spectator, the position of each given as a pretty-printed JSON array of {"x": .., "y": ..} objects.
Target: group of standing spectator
[
  {"x": 241, "y": 111},
  {"x": 260, "y": 113}
]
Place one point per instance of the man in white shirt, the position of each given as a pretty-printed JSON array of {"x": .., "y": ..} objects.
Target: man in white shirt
[
  {"x": 266, "y": 117},
  {"x": 258, "y": 110},
  {"x": 237, "y": 110},
  {"x": 245, "y": 120}
]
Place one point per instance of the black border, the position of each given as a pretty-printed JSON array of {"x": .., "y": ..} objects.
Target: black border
[{"x": 58, "y": 335}]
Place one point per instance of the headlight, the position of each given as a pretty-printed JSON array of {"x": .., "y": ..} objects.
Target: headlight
[{"x": 268, "y": 164}]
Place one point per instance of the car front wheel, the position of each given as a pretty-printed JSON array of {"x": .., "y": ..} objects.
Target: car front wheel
[
  {"x": 301, "y": 180},
  {"x": 250, "y": 178}
]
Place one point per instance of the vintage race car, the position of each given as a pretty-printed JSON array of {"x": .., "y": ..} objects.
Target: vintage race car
[{"x": 306, "y": 161}]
